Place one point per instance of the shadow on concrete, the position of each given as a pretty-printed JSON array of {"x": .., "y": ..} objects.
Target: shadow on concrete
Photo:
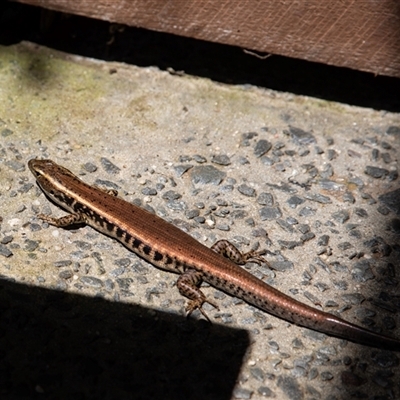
[{"x": 67, "y": 346}]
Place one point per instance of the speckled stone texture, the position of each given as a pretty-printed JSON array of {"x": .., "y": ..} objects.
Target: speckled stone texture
[{"x": 314, "y": 183}]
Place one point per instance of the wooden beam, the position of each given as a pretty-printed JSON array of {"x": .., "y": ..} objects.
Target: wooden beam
[{"x": 361, "y": 35}]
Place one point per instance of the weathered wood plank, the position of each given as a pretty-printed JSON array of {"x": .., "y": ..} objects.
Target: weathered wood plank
[{"x": 363, "y": 35}]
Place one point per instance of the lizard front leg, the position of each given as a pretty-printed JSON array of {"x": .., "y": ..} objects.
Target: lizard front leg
[{"x": 62, "y": 222}]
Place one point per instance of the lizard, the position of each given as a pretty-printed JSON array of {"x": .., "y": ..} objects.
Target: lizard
[{"x": 167, "y": 247}]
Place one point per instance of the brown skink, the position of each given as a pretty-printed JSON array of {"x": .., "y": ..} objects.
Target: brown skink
[{"x": 169, "y": 248}]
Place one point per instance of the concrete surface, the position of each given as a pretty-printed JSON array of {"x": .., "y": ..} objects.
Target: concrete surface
[{"x": 312, "y": 182}]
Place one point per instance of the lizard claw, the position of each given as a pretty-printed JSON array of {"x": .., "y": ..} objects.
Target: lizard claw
[
  {"x": 198, "y": 304},
  {"x": 255, "y": 257}
]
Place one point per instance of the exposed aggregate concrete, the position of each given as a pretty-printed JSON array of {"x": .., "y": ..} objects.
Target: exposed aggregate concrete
[{"x": 315, "y": 184}]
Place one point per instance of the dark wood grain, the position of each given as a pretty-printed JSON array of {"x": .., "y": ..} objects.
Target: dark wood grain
[{"x": 363, "y": 35}]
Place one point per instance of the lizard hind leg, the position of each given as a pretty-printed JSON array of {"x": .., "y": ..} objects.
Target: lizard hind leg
[
  {"x": 230, "y": 251},
  {"x": 188, "y": 285}
]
